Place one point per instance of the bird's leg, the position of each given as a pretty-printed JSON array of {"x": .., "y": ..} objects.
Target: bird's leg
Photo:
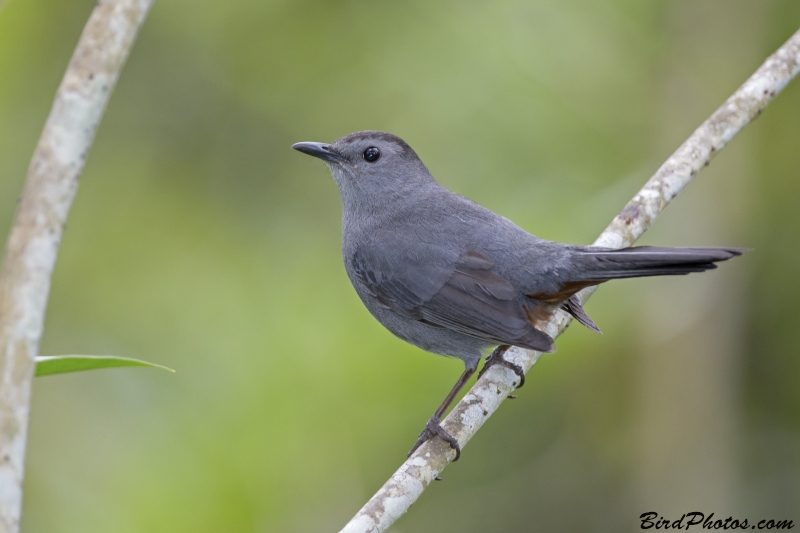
[
  {"x": 433, "y": 428},
  {"x": 496, "y": 358}
]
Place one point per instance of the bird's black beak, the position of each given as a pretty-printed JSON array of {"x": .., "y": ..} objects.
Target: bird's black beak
[{"x": 321, "y": 150}]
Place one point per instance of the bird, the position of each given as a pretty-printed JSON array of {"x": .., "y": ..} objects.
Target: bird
[{"x": 453, "y": 278}]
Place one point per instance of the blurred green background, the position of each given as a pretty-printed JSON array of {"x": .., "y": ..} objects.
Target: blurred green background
[{"x": 199, "y": 240}]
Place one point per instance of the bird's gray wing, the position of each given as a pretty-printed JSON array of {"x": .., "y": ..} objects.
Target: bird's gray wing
[{"x": 469, "y": 297}]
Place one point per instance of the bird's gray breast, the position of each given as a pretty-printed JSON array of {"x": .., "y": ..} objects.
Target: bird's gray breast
[{"x": 397, "y": 268}]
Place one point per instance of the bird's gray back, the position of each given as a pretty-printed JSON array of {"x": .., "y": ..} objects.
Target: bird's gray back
[{"x": 436, "y": 227}]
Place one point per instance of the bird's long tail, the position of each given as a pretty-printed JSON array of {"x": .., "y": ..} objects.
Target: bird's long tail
[
  {"x": 599, "y": 265},
  {"x": 591, "y": 266}
]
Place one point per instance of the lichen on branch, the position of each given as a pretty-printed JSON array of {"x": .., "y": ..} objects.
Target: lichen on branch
[{"x": 41, "y": 216}]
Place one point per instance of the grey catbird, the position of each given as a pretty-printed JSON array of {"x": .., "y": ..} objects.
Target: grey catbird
[{"x": 453, "y": 278}]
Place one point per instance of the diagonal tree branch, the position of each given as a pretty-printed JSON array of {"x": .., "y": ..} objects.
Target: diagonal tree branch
[
  {"x": 414, "y": 476},
  {"x": 32, "y": 246}
]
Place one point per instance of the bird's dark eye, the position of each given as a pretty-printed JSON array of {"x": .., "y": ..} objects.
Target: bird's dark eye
[{"x": 372, "y": 154}]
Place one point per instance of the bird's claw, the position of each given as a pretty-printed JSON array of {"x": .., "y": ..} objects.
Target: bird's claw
[
  {"x": 496, "y": 358},
  {"x": 432, "y": 429}
]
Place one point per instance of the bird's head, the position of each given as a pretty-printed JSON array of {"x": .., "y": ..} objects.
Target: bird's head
[{"x": 370, "y": 162}]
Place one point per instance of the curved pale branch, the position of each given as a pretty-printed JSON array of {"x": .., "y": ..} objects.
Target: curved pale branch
[
  {"x": 39, "y": 223},
  {"x": 413, "y": 477}
]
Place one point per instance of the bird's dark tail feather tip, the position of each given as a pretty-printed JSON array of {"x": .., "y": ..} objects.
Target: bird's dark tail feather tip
[
  {"x": 603, "y": 264},
  {"x": 574, "y": 307}
]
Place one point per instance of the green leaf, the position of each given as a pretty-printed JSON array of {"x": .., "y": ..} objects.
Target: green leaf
[{"x": 60, "y": 364}]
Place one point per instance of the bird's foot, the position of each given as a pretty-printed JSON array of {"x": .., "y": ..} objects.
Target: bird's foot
[
  {"x": 433, "y": 429},
  {"x": 496, "y": 358}
]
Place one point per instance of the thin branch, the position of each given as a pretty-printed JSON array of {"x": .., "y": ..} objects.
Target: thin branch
[
  {"x": 32, "y": 246},
  {"x": 413, "y": 477}
]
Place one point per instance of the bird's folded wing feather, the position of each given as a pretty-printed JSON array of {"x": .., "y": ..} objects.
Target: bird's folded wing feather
[{"x": 469, "y": 297}]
